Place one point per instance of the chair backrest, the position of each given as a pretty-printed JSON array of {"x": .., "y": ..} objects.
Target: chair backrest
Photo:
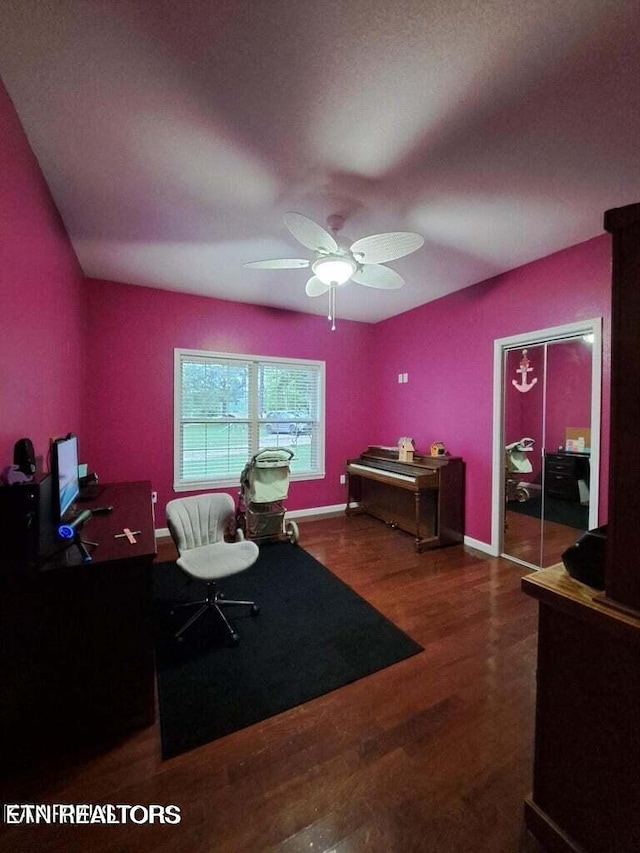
[{"x": 199, "y": 520}]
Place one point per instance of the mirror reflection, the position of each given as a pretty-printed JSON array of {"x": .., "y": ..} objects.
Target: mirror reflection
[{"x": 547, "y": 432}]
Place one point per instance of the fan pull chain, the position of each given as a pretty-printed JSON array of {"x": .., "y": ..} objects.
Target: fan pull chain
[{"x": 332, "y": 306}]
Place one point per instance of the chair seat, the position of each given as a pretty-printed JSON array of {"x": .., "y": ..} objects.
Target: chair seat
[{"x": 218, "y": 560}]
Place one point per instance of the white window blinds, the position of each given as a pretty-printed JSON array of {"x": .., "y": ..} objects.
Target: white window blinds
[{"x": 228, "y": 407}]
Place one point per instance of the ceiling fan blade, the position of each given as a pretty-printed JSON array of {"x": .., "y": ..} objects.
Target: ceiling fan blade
[
  {"x": 309, "y": 233},
  {"x": 375, "y": 275},
  {"x": 279, "y": 264},
  {"x": 380, "y": 248},
  {"x": 315, "y": 287}
]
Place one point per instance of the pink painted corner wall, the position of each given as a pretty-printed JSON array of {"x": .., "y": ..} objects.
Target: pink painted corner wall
[
  {"x": 129, "y": 395},
  {"x": 446, "y": 347},
  {"x": 41, "y": 303}
]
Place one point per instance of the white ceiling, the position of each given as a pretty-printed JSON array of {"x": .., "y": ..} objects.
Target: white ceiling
[{"x": 173, "y": 135}]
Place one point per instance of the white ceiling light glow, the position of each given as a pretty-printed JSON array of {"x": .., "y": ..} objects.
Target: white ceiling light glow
[{"x": 334, "y": 270}]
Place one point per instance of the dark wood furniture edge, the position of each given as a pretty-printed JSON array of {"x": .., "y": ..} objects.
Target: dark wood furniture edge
[
  {"x": 548, "y": 833},
  {"x": 603, "y": 598},
  {"x": 623, "y": 537},
  {"x": 621, "y": 217},
  {"x": 555, "y": 587}
]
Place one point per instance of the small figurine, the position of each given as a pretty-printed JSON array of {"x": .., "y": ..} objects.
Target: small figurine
[{"x": 406, "y": 449}]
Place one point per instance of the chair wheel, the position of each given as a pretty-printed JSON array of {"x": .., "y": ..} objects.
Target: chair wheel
[
  {"x": 180, "y": 639},
  {"x": 255, "y": 610},
  {"x": 234, "y": 639}
]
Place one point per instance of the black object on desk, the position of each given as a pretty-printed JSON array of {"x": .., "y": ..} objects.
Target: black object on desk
[
  {"x": 585, "y": 560},
  {"x": 90, "y": 492},
  {"x": 76, "y": 649}
]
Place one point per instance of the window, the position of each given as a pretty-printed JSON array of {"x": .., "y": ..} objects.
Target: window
[{"x": 228, "y": 407}]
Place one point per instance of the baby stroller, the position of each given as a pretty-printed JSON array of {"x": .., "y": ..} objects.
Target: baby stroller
[
  {"x": 517, "y": 462},
  {"x": 264, "y": 484}
]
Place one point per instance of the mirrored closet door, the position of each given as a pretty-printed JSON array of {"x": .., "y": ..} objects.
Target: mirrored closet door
[{"x": 546, "y": 443}]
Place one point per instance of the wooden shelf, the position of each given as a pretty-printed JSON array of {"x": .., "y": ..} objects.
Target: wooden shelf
[{"x": 556, "y": 587}]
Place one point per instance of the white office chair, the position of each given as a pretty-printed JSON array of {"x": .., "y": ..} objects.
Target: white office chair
[{"x": 197, "y": 526}]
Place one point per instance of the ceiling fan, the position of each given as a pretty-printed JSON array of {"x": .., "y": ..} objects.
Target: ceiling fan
[{"x": 336, "y": 261}]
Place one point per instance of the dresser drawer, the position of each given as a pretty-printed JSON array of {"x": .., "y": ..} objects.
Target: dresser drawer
[
  {"x": 561, "y": 475},
  {"x": 565, "y": 488},
  {"x": 566, "y": 468}
]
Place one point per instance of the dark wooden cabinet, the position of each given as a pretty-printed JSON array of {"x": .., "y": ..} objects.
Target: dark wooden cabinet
[
  {"x": 586, "y": 782},
  {"x": 586, "y": 786},
  {"x": 76, "y": 650},
  {"x": 563, "y": 473}
]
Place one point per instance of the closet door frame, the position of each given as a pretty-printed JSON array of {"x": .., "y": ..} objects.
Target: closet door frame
[{"x": 542, "y": 336}]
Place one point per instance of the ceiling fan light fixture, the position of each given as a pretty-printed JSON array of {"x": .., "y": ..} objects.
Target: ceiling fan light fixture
[{"x": 334, "y": 270}]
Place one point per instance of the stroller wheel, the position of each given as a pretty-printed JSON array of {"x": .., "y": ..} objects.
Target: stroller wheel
[
  {"x": 522, "y": 495},
  {"x": 293, "y": 534}
]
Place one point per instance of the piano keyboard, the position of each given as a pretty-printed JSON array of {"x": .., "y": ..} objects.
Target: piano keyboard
[{"x": 353, "y": 466}]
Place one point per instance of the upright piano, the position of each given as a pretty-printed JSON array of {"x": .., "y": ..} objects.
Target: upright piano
[{"x": 424, "y": 497}]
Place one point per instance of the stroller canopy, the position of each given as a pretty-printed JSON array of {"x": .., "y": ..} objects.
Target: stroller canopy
[{"x": 265, "y": 477}]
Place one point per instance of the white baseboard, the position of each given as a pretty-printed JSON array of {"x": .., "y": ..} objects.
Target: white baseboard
[
  {"x": 318, "y": 510},
  {"x": 478, "y": 545},
  {"x": 331, "y": 510},
  {"x": 294, "y": 513}
]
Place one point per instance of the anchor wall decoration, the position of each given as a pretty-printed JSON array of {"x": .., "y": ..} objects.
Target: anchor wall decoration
[{"x": 523, "y": 386}]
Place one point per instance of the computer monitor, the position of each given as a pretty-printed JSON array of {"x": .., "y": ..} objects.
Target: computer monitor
[{"x": 64, "y": 469}]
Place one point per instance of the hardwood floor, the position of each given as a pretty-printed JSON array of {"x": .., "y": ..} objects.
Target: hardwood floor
[
  {"x": 536, "y": 542},
  {"x": 432, "y": 755}
]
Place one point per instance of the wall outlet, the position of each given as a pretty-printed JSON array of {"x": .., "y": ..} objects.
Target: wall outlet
[
  {"x": 154, "y": 497},
  {"x": 343, "y": 479}
]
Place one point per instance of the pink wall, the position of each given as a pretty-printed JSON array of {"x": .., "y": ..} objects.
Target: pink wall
[
  {"x": 129, "y": 396},
  {"x": 41, "y": 303},
  {"x": 122, "y": 406},
  {"x": 447, "y": 348}
]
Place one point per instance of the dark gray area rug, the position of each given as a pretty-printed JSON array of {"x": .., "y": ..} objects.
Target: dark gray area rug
[
  {"x": 313, "y": 635},
  {"x": 568, "y": 513}
]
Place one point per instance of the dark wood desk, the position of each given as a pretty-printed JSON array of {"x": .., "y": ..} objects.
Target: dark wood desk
[{"x": 76, "y": 645}]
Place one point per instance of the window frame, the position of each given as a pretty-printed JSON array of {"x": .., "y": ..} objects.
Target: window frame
[{"x": 253, "y": 418}]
